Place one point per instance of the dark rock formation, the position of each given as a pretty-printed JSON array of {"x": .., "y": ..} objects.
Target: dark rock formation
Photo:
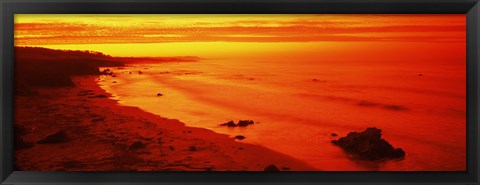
[
  {"x": 368, "y": 145},
  {"x": 58, "y": 137},
  {"x": 241, "y": 123},
  {"x": 271, "y": 168},
  {"x": 159, "y": 94},
  {"x": 240, "y": 137},
  {"x": 229, "y": 124},
  {"x": 244, "y": 123}
]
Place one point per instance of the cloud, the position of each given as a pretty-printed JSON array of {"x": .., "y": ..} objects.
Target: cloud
[{"x": 262, "y": 29}]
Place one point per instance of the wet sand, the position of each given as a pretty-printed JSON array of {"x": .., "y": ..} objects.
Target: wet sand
[{"x": 98, "y": 134}]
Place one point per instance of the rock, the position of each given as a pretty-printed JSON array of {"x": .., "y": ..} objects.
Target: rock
[
  {"x": 368, "y": 145},
  {"x": 420, "y": 74},
  {"x": 240, "y": 137},
  {"x": 137, "y": 145},
  {"x": 244, "y": 123},
  {"x": 171, "y": 148},
  {"x": 58, "y": 137},
  {"x": 159, "y": 94},
  {"x": 241, "y": 123},
  {"x": 229, "y": 124},
  {"x": 140, "y": 72},
  {"x": 334, "y": 134},
  {"x": 271, "y": 168}
]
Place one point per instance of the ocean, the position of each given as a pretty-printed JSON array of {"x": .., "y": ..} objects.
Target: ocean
[{"x": 299, "y": 104}]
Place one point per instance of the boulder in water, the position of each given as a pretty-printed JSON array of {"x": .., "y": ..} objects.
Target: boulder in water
[
  {"x": 240, "y": 137},
  {"x": 229, "y": 124},
  {"x": 244, "y": 123},
  {"x": 271, "y": 168},
  {"x": 368, "y": 145}
]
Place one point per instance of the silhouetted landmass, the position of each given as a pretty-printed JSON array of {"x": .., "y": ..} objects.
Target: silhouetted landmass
[
  {"x": 35, "y": 66},
  {"x": 369, "y": 145}
]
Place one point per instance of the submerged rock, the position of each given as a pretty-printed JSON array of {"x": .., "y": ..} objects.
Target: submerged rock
[
  {"x": 271, "y": 168},
  {"x": 240, "y": 137},
  {"x": 159, "y": 94},
  {"x": 368, "y": 145},
  {"x": 58, "y": 137}
]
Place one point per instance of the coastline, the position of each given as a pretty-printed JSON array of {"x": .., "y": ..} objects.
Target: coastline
[{"x": 102, "y": 135}]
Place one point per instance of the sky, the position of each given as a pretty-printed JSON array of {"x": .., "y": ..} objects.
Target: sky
[{"x": 222, "y": 35}]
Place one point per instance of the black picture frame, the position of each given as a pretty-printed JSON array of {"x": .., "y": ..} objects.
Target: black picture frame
[{"x": 10, "y": 7}]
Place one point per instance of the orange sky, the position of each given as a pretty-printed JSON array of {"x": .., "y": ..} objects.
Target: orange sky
[{"x": 175, "y": 34}]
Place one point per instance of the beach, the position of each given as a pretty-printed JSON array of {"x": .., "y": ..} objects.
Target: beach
[{"x": 98, "y": 134}]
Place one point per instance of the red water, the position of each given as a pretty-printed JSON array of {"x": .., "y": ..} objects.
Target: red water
[{"x": 418, "y": 102}]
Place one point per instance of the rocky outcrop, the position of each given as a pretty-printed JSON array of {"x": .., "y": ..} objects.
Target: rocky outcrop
[
  {"x": 240, "y": 123},
  {"x": 271, "y": 168},
  {"x": 240, "y": 137},
  {"x": 58, "y": 137},
  {"x": 368, "y": 145}
]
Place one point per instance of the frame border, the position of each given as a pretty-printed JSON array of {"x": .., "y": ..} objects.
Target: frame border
[{"x": 10, "y": 7}]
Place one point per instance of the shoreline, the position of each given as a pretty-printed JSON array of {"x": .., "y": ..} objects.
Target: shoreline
[{"x": 102, "y": 135}]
